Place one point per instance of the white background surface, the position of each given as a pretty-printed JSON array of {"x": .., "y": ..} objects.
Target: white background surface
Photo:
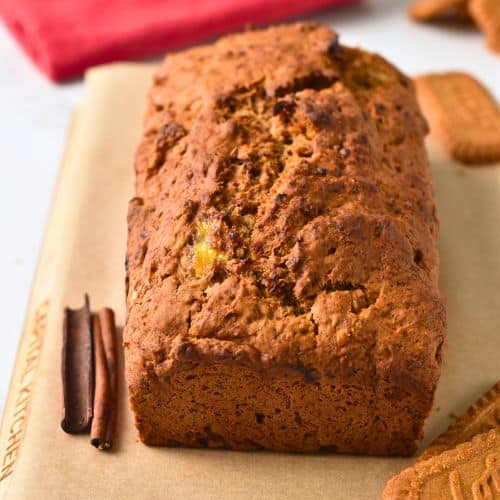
[{"x": 35, "y": 114}]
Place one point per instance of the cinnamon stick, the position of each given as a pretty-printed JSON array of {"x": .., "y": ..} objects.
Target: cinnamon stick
[
  {"x": 108, "y": 329},
  {"x": 101, "y": 392},
  {"x": 77, "y": 370},
  {"x": 105, "y": 395}
]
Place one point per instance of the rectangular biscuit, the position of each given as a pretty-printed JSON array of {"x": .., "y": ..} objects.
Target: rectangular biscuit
[
  {"x": 486, "y": 14},
  {"x": 282, "y": 262},
  {"x": 482, "y": 416},
  {"x": 432, "y": 10},
  {"x": 470, "y": 470},
  {"x": 463, "y": 114}
]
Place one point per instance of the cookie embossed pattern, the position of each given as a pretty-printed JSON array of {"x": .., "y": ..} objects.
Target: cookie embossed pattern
[
  {"x": 463, "y": 114},
  {"x": 17, "y": 420},
  {"x": 481, "y": 417},
  {"x": 471, "y": 470},
  {"x": 488, "y": 484}
]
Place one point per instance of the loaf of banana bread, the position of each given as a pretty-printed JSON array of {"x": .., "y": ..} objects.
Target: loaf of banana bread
[{"x": 282, "y": 265}]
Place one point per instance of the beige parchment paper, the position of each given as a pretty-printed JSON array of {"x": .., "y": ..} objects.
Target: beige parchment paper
[{"x": 84, "y": 252}]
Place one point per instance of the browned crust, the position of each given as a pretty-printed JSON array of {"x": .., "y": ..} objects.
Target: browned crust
[
  {"x": 463, "y": 114},
  {"x": 237, "y": 407},
  {"x": 471, "y": 470},
  {"x": 305, "y": 160},
  {"x": 481, "y": 417}
]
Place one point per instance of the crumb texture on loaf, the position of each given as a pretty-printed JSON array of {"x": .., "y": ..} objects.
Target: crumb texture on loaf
[{"x": 282, "y": 263}]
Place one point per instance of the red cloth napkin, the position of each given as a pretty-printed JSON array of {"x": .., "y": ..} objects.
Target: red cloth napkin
[{"x": 64, "y": 37}]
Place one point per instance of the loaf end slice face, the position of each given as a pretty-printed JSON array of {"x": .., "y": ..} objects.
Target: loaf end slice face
[{"x": 282, "y": 264}]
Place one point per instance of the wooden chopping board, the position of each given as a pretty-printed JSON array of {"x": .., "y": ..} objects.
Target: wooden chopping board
[{"x": 84, "y": 251}]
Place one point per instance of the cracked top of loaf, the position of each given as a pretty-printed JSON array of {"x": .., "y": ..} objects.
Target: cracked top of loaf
[{"x": 284, "y": 214}]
